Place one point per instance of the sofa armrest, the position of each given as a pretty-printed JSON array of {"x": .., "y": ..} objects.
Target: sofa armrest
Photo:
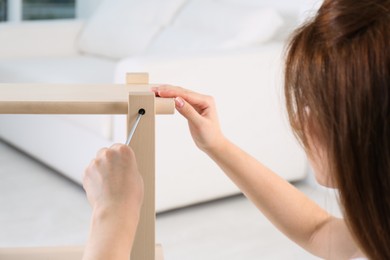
[
  {"x": 179, "y": 69},
  {"x": 39, "y": 38}
]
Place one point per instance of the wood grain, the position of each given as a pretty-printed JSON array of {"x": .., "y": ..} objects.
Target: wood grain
[
  {"x": 137, "y": 78},
  {"x": 57, "y": 253},
  {"x": 143, "y": 144},
  {"x": 73, "y": 99},
  {"x": 41, "y": 253}
]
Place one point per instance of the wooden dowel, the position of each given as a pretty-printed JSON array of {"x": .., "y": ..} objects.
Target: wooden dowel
[{"x": 164, "y": 106}]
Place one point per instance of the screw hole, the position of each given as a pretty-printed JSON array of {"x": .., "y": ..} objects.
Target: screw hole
[{"x": 141, "y": 111}]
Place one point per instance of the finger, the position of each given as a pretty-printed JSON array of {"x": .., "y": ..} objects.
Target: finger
[
  {"x": 88, "y": 172},
  {"x": 191, "y": 97},
  {"x": 117, "y": 146},
  {"x": 101, "y": 151},
  {"x": 123, "y": 149},
  {"x": 188, "y": 111},
  {"x": 155, "y": 90}
]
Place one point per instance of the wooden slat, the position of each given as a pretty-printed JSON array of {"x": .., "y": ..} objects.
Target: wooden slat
[
  {"x": 72, "y": 99},
  {"x": 143, "y": 144},
  {"x": 42, "y": 253},
  {"x": 57, "y": 253}
]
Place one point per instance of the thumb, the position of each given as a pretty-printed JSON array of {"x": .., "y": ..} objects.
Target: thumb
[{"x": 187, "y": 111}]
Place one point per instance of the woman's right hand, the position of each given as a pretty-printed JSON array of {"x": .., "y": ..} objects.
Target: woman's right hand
[{"x": 201, "y": 113}]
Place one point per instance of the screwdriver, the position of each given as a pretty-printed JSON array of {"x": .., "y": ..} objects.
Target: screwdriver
[{"x": 141, "y": 112}]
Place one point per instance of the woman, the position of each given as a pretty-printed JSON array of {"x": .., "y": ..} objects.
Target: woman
[{"x": 337, "y": 87}]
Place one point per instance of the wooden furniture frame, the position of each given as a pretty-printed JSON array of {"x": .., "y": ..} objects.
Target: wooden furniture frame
[{"x": 98, "y": 99}]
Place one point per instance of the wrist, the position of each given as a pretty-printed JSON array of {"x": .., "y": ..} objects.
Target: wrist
[
  {"x": 117, "y": 208},
  {"x": 115, "y": 214},
  {"x": 218, "y": 147},
  {"x": 112, "y": 232}
]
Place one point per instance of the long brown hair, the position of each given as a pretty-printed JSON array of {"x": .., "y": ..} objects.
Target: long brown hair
[{"x": 338, "y": 68}]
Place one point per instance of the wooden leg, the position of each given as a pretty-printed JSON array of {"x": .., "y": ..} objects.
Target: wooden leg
[{"x": 143, "y": 144}]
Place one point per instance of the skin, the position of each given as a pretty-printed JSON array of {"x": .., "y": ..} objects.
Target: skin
[
  {"x": 115, "y": 190},
  {"x": 317, "y": 159}
]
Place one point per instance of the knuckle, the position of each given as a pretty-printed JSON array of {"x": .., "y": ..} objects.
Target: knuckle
[
  {"x": 183, "y": 90},
  {"x": 96, "y": 163},
  {"x": 86, "y": 176},
  {"x": 131, "y": 154},
  {"x": 209, "y": 99},
  {"x": 101, "y": 151},
  {"x": 85, "y": 180},
  {"x": 124, "y": 149},
  {"x": 109, "y": 154},
  {"x": 115, "y": 146}
]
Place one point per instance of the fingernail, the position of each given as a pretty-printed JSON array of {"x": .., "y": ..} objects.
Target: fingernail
[
  {"x": 154, "y": 89},
  {"x": 179, "y": 102}
]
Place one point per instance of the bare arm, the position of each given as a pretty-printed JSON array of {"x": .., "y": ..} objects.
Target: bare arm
[
  {"x": 115, "y": 191},
  {"x": 298, "y": 217},
  {"x": 111, "y": 235},
  {"x": 287, "y": 208}
]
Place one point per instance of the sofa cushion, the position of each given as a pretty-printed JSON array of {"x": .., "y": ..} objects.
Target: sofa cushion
[
  {"x": 211, "y": 25},
  {"x": 285, "y": 7},
  {"x": 299, "y": 10},
  {"x": 72, "y": 69},
  {"x": 121, "y": 28}
]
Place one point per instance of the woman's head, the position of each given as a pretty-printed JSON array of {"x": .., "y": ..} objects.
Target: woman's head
[{"x": 337, "y": 87}]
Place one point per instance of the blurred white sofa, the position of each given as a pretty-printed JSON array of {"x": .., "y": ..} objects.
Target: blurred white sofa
[{"x": 231, "y": 49}]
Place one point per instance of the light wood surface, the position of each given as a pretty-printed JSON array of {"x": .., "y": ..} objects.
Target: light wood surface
[
  {"x": 42, "y": 253},
  {"x": 143, "y": 144},
  {"x": 137, "y": 78},
  {"x": 48, "y": 253},
  {"x": 73, "y": 99}
]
